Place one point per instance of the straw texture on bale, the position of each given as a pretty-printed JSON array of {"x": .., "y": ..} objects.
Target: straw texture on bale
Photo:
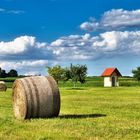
[
  {"x": 36, "y": 97},
  {"x": 3, "y": 86}
]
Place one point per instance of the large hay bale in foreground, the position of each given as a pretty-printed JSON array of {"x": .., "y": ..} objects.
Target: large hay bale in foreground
[
  {"x": 3, "y": 86},
  {"x": 35, "y": 97}
]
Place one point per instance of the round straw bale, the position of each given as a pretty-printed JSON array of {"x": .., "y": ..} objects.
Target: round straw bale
[
  {"x": 3, "y": 86},
  {"x": 36, "y": 97}
]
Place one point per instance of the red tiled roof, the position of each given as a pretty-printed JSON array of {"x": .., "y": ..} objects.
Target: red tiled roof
[{"x": 110, "y": 71}]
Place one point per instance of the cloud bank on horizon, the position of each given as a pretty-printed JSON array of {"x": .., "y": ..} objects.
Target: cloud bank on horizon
[{"x": 26, "y": 52}]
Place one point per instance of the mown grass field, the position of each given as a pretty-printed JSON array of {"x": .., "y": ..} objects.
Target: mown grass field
[{"x": 89, "y": 112}]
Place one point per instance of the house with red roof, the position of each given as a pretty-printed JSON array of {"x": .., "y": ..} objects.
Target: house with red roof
[{"x": 111, "y": 77}]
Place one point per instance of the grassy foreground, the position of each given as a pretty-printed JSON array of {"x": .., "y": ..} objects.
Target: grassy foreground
[{"x": 91, "y": 113}]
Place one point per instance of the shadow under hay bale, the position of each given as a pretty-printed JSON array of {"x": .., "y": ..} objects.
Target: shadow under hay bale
[
  {"x": 3, "y": 86},
  {"x": 76, "y": 116},
  {"x": 76, "y": 88},
  {"x": 36, "y": 97}
]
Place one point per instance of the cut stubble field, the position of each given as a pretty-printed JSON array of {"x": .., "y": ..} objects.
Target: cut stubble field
[{"x": 87, "y": 113}]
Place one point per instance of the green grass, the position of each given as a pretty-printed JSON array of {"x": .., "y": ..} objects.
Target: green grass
[
  {"x": 87, "y": 113},
  {"x": 9, "y": 81}
]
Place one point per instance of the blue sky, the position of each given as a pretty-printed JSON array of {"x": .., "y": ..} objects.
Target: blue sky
[{"x": 97, "y": 33}]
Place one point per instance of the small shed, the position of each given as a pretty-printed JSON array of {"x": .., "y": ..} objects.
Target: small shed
[{"x": 111, "y": 77}]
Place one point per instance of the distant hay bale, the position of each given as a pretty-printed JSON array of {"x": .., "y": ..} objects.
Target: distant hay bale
[
  {"x": 3, "y": 86},
  {"x": 36, "y": 97}
]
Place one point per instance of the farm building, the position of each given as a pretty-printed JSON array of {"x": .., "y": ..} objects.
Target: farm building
[{"x": 111, "y": 77}]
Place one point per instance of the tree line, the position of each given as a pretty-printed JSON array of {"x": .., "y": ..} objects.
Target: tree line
[
  {"x": 11, "y": 73},
  {"x": 74, "y": 72},
  {"x": 77, "y": 73}
]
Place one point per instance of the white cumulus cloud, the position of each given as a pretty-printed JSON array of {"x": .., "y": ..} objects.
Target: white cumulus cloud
[
  {"x": 90, "y": 26},
  {"x": 73, "y": 47},
  {"x": 127, "y": 42},
  {"x": 114, "y": 19},
  {"x": 23, "y": 64},
  {"x": 85, "y": 47},
  {"x": 26, "y": 54},
  {"x": 24, "y": 47},
  {"x": 18, "y": 45}
]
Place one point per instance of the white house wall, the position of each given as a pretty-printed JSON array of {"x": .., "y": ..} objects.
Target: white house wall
[{"x": 107, "y": 82}]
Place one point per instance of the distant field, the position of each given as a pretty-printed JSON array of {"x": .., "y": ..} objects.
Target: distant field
[
  {"x": 9, "y": 81},
  {"x": 98, "y": 82},
  {"x": 90, "y": 82},
  {"x": 87, "y": 113}
]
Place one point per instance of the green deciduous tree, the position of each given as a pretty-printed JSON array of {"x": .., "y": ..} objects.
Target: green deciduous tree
[
  {"x": 74, "y": 72},
  {"x": 56, "y": 72},
  {"x": 12, "y": 73},
  {"x": 2, "y": 73},
  {"x": 66, "y": 74},
  {"x": 77, "y": 73},
  {"x": 136, "y": 73}
]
